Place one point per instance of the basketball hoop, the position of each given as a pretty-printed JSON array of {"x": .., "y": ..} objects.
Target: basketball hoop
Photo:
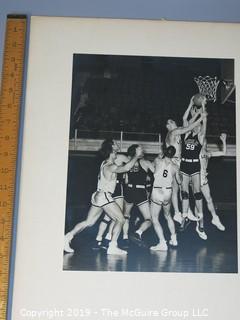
[{"x": 207, "y": 86}]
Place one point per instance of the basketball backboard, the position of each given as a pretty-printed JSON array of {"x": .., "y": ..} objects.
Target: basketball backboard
[{"x": 227, "y": 86}]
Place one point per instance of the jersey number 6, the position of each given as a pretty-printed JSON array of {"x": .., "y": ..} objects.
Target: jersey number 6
[{"x": 165, "y": 173}]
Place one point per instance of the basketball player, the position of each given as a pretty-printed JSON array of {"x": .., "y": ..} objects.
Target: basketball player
[
  {"x": 118, "y": 197},
  {"x": 190, "y": 168},
  {"x": 135, "y": 193},
  {"x": 164, "y": 174},
  {"x": 102, "y": 198},
  {"x": 173, "y": 138},
  {"x": 193, "y": 109},
  {"x": 205, "y": 155}
]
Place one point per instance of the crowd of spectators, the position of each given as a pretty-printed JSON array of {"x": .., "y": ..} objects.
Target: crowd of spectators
[{"x": 130, "y": 102}]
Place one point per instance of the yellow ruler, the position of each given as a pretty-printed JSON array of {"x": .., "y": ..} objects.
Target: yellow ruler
[{"x": 10, "y": 102}]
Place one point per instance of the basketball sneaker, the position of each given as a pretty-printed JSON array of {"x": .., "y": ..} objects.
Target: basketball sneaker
[
  {"x": 201, "y": 232},
  {"x": 173, "y": 240},
  {"x": 178, "y": 217},
  {"x": 185, "y": 223},
  {"x": 216, "y": 221},
  {"x": 113, "y": 249},
  {"x": 162, "y": 246},
  {"x": 96, "y": 245},
  {"x": 105, "y": 244},
  {"x": 137, "y": 239},
  {"x": 192, "y": 216},
  {"x": 67, "y": 241}
]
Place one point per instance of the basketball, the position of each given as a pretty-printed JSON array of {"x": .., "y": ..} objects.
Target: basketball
[{"x": 198, "y": 99}]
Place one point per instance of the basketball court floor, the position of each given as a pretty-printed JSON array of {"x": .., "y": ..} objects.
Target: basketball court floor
[{"x": 218, "y": 254}]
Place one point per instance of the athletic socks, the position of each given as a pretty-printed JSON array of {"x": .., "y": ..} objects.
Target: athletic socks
[
  {"x": 108, "y": 236},
  {"x": 139, "y": 232}
]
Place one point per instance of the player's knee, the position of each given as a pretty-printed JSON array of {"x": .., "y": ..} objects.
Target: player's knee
[
  {"x": 185, "y": 195},
  {"x": 106, "y": 221},
  {"x": 89, "y": 223},
  {"x": 167, "y": 215},
  {"x": 120, "y": 219},
  {"x": 198, "y": 195},
  {"x": 154, "y": 217},
  {"x": 148, "y": 223}
]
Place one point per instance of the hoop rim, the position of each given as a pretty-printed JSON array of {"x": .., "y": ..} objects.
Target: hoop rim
[{"x": 207, "y": 86}]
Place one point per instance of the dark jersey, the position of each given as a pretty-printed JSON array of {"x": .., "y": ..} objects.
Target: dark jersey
[
  {"x": 137, "y": 175},
  {"x": 120, "y": 177},
  {"x": 191, "y": 147}
]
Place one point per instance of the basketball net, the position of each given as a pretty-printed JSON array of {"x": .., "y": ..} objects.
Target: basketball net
[{"x": 207, "y": 86}]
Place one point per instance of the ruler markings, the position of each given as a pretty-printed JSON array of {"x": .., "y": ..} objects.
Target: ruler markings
[{"x": 10, "y": 101}]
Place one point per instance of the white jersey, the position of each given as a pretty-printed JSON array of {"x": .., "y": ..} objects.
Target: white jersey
[
  {"x": 163, "y": 175},
  {"x": 176, "y": 142},
  {"x": 105, "y": 184}
]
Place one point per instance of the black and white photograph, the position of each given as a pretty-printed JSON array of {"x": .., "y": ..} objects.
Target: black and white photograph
[
  {"x": 151, "y": 182},
  {"x": 128, "y": 199}
]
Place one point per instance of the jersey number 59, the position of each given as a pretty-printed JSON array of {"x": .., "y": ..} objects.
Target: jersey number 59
[{"x": 190, "y": 146}]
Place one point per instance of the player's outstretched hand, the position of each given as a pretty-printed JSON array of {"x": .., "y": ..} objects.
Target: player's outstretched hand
[
  {"x": 191, "y": 100},
  {"x": 204, "y": 102},
  {"x": 139, "y": 152},
  {"x": 223, "y": 136}
]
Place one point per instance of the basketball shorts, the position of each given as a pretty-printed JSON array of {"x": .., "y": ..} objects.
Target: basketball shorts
[
  {"x": 190, "y": 168},
  {"x": 149, "y": 188},
  {"x": 161, "y": 195},
  {"x": 101, "y": 199},
  {"x": 118, "y": 192},
  {"x": 137, "y": 196}
]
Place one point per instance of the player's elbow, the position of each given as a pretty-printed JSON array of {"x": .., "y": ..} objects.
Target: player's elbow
[{"x": 127, "y": 167}]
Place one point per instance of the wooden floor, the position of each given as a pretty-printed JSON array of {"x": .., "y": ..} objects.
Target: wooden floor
[{"x": 218, "y": 254}]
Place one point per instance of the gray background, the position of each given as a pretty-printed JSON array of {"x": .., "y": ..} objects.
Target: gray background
[{"x": 186, "y": 10}]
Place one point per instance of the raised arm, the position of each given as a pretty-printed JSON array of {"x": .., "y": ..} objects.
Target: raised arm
[
  {"x": 126, "y": 167},
  {"x": 186, "y": 114},
  {"x": 203, "y": 109},
  {"x": 202, "y": 133},
  {"x": 183, "y": 130},
  {"x": 149, "y": 165},
  {"x": 160, "y": 153},
  {"x": 195, "y": 116},
  {"x": 155, "y": 162},
  {"x": 121, "y": 158},
  {"x": 223, "y": 138}
]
